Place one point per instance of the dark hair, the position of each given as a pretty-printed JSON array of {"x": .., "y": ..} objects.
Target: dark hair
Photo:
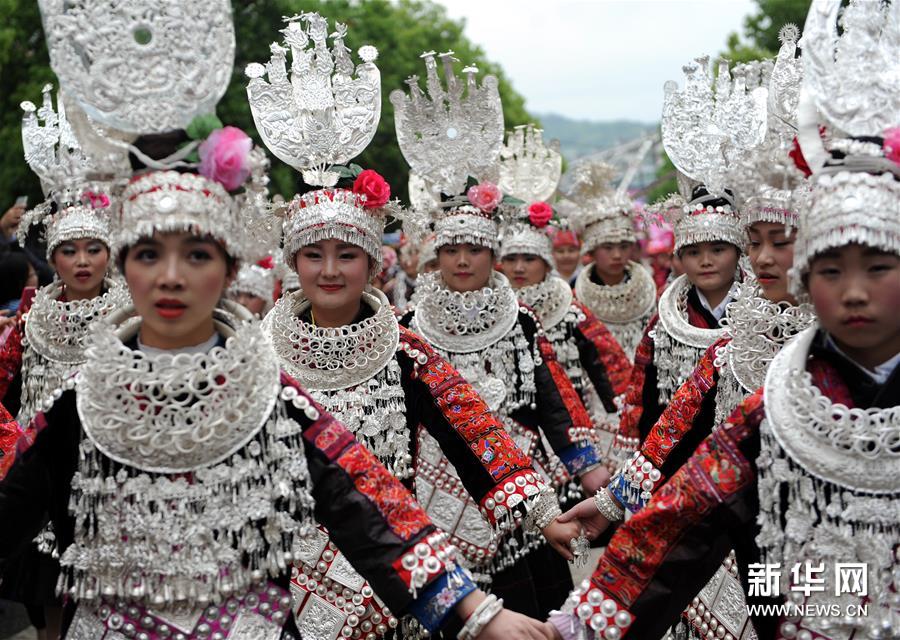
[
  {"x": 14, "y": 267},
  {"x": 157, "y": 146}
]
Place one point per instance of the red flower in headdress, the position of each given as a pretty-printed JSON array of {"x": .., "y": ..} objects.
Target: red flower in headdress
[{"x": 370, "y": 184}]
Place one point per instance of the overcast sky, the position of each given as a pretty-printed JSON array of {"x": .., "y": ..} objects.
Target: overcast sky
[{"x": 598, "y": 59}]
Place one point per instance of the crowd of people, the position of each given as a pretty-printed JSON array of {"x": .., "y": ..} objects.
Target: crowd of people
[{"x": 225, "y": 414}]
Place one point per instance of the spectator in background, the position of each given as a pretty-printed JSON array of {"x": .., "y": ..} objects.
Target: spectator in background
[
  {"x": 9, "y": 224},
  {"x": 17, "y": 274}
]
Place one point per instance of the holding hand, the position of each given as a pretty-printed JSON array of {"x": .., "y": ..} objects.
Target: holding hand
[
  {"x": 594, "y": 480},
  {"x": 585, "y": 515},
  {"x": 559, "y": 534}
]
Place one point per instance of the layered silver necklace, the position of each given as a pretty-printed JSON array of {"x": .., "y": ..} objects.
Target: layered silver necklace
[
  {"x": 677, "y": 344},
  {"x": 479, "y": 333},
  {"x": 624, "y": 308},
  {"x": 839, "y": 469},
  {"x": 351, "y": 370},
  {"x": 758, "y": 329},
  {"x": 56, "y": 334},
  {"x": 192, "y": 482}
]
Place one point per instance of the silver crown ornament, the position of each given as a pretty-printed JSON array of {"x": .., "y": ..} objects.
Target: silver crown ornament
[
  {"x": 142, "y": 66},
  {"x": 453, "y": 133},
  {"x": 529, "y": 168},
  {"x": 326, "y": 110},
  {"x": 712, "y": 122}
]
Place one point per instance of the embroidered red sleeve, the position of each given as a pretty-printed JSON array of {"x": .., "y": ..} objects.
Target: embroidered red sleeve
[
  {"x": 618, "y": 367},
  {"x": 10, "y": 359},
  {"x": 508, "y": 466},
  {"x": 629, "y": 436},
  {"x": 580, "y": 431},
  {"x": 9, "y": 437},
  {"x": 716, "y": 471},
  {"x": 394, "y": 502},
  {"x": 678, "y": 417}
]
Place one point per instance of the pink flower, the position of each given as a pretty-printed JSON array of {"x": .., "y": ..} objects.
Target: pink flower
[
  {"x": 892, "y": 145},
  {"x": 225, "y": 157},
  {"x": 370, "y": 184},
  {"x": 96, "y": 200},
  {"x": 486, "y": 196},
  {"x": 540, "y": 213}
]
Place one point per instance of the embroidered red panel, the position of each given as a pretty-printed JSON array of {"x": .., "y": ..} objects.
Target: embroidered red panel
[
  {"x": 9, "y": 436},
  {"x": 571, "y": 400},
  {"x": 468, "y": 414},
  {"x": 678, "y": 417},
  {"x": 631, "y": 412}
]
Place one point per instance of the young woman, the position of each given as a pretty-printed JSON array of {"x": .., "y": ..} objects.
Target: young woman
[
  {"x": 254, "y": 288},
  {"x": 47, "y": 344},
  {"x": 619, "y": 291},
  {"x": 708, "y": 241},
  {"x": 591, "y": 357},
  {"x": 49, "y": 339},
  {"x": 567, "y": 254},
  {"x": 181, "y": 467},
  {"x": 338, "y": 336},
  {"x": 470, "y": 315}
]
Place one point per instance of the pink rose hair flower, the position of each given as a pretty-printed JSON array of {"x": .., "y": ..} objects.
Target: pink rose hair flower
[
  {"x": 95, "y": 199},
  {"x": 370, "y": 184},
  {"x": 485, "y": 196},
  {"x": 540, "y": 214},
  {"x": 892, "y": 145},
  {"x": 225, "y": 157}
]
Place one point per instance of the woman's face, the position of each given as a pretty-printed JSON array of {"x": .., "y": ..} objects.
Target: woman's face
[
  {"x": 81, "y": 265},
  {"x": 567, "y": 257},
  {"x": 710, "y": 266},
  {"x": 524, "y": 269},
  {"x": 856, "y": 293},
  {"x": 254, "y": 304},
  {"x": 333, "y": 275},
  {"x": 176, "y": 280},
  {"x": 465, "y": 267},
  {"x": 771, "y": 253},
  {"x": 610, "y": 260}
]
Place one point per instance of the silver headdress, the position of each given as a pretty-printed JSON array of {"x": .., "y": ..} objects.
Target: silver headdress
[
  {"x": 66, "y": 172},
  {"x": 708, "y": 128},
  {"x": 255, "y": 280},
  {"x": 601, "y": 213},
  {"x": 322, "y": 114},
  {"x": 142, "y": 66},
  {"x": 767, "y": 178},
  {"x": 327, "y": 110},
  {"x": 529, "y": 171},
  {"x": 169, "y": 201},
  {"x": 445, "y": 136},
  {"x": 850, "y": 80}
]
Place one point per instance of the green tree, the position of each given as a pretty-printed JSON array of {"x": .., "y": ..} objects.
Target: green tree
[{"x": 401, "y": 30}]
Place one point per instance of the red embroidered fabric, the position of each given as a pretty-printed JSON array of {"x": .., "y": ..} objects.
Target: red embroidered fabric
[
  {"x": 678, "y": 417},
  {"x": 715, "y": 471},
  {"x": 399, "y": 509},
  {"x": 9, "y": 436},
  {"x": 630, "y": 415}
]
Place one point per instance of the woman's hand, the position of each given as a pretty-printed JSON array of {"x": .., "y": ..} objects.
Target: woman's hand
[
  {"x": 594, "y": 480},
  {"x": 509, "y": 625},
  {"x": 560, "y": 534},
  {"x": 586, "y": 516}
]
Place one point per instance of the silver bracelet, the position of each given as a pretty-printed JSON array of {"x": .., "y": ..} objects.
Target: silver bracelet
[
  {"x": 544, "y": 510},
  {"x": 608, "y": 507},
  {"x": 486, "y": 611}
]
